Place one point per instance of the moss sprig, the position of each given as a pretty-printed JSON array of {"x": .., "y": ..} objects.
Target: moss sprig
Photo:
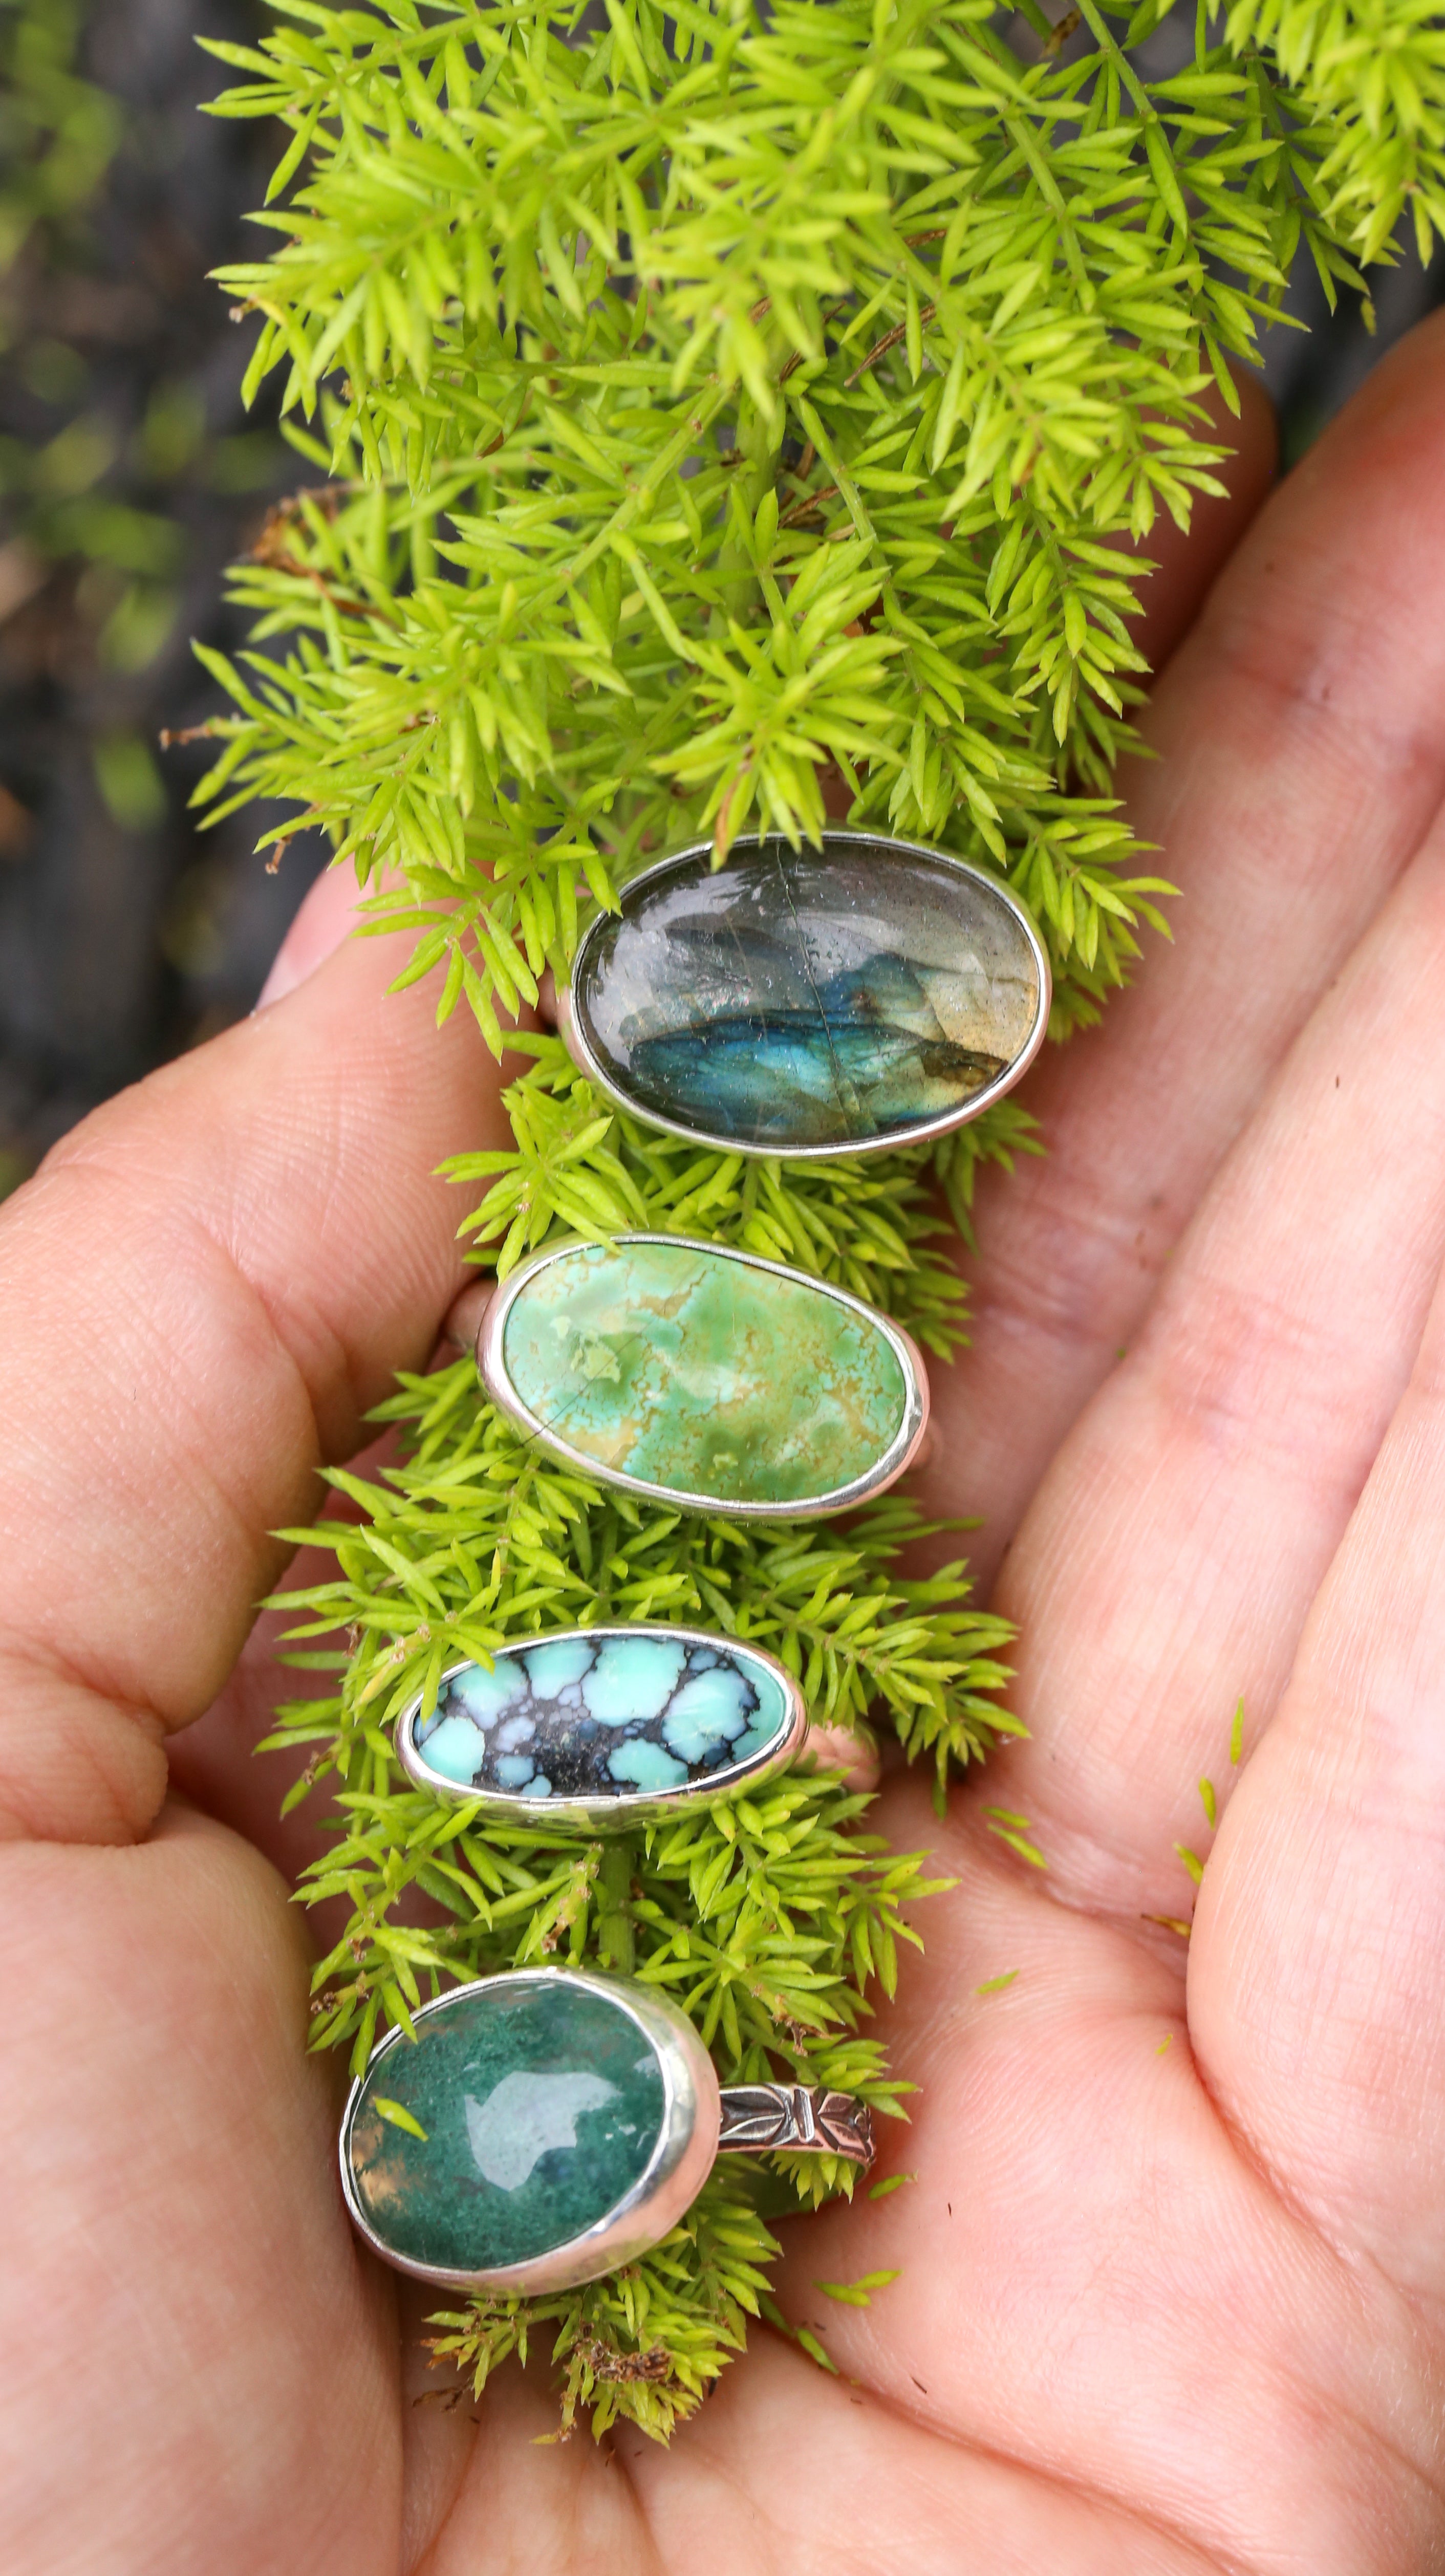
[{"x": 646, "y": 2345}]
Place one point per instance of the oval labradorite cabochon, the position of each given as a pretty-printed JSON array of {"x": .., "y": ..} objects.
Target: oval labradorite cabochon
[
  {"x": 531, "y": 2105},
  {"x": 810, "y": 1001},
  {"x": 605, "y": 1718},
  {"x": 705, "y": 1376}
]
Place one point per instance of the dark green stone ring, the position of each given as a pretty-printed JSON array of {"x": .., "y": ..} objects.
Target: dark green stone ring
[{"x": 546, "y": 2126}]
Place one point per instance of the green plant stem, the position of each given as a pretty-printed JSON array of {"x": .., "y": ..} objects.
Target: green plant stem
[{"x": 616, "y": 1946}]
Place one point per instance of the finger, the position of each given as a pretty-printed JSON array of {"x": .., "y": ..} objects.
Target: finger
[
  {"x": 832, "y": 2478},
  {"x": 215, "y": 1763},
  {"x": 1188, "y": 561},
  {"x": 1080, "y": 2262},
  {"x": 1168, "y": 1564},
  {"x": 201, "y": 1293},
  {"x": 327, "y": 915},
  {"x": 1317, "y": 1990},
  {"x": 200, "y": 2368},
  {"x": 1303, "y": 755}
]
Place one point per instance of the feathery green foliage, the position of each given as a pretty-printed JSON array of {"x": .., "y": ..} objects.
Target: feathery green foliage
[
  {"x": 58, "y": 132},
  {"x": 1372, "y": 79},
  {"x": 729, "y": 417},
  {"x": 766, "y": 1917},
  {"x": 577, "y": 1167}
]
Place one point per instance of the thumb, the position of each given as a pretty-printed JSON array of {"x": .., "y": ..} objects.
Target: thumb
[
  {"x": 327, "y": 914},
  {"x": 202, "y": 1290}
]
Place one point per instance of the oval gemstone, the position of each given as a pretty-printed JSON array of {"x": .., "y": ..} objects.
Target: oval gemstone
[
  {"x": 705, "y": 1375},
  {"x": 805, "y": 1001},
  {"x": 604, "y": 1714},
  {"x": 529, "y": 2108}
]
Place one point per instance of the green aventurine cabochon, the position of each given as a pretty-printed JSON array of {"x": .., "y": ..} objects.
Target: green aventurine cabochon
[
  {"x": 706, "y": 1376},
  {"x": 528, "y": 2108}
]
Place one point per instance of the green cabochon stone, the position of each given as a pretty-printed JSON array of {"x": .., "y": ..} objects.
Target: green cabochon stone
[
  {"x": 686, "y": 1370},
  {"x": 541, "y": 2104}
]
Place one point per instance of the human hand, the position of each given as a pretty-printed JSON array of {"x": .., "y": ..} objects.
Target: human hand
[{"x": 1170, "y": 2292}]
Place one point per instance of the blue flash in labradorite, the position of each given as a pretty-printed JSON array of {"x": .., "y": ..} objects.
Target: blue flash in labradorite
[
  {"x": 603, "y": 1716},
  {"x": 799, "y": 999}
]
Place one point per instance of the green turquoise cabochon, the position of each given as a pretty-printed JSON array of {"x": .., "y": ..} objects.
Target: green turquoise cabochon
[
  {"x": 829, "y": 1000},
  {"x": 541, "y": 2122},
  {"x": 705, "y": 1376},
  {"x": 604, "y": 1727}
]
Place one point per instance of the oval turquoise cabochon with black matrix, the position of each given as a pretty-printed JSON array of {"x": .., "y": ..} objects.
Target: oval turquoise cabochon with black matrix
[
  {"x": 837, "y": 1000},
  {"x": 605, "y": 1726}
]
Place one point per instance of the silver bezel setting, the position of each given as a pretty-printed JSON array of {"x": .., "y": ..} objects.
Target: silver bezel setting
[
  {"x": 676, "y": 2170},
  {"x": 570, "y": 1030},
  {"x": 630, "y": 1806},
  {"x": 895, "y": 1461}
]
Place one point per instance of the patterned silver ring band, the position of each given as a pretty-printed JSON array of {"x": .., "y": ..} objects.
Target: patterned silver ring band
[{"x": 765, "y": 2119}]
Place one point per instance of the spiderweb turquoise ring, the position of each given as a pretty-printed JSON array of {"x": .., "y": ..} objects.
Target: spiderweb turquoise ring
[{"x": 597, "y": 1729}]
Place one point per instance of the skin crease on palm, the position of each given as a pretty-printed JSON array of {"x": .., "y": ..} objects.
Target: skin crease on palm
[{"x": 1172, "y": 2269}]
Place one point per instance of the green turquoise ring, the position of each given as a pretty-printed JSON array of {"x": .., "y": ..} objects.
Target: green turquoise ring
[
  {"x": 846, "y": 998},
  {"x": 598, "y": 1729},
  {"x": 704, "y": 1377},
  {"x": 545, "y": 2126}
]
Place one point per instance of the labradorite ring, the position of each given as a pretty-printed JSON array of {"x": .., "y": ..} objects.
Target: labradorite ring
[
  {"x": 847, "y": 998},
  {"x": 594, "y": 1730},
  {"x": 546, "y": 2126}
]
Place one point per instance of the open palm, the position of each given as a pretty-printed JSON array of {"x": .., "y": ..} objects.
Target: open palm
[{"x": 1172, "y": 2266}]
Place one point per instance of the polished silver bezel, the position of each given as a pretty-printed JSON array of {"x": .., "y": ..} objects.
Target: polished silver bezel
[
  {"x": 895, "y": 1461},
  {"x": 570, "y": 1029},
  {"x": 630, "y": 1806},
  {"x": 679, "y": 2165}
]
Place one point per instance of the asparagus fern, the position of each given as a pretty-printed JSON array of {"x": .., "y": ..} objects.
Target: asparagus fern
[{"x": 719, "y": 418}]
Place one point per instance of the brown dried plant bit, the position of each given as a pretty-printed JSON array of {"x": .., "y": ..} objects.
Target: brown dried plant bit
[{"x": 605, "y": 2361}]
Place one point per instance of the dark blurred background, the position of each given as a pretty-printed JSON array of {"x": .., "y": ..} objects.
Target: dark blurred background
[{"x": 129, "y": 477}]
